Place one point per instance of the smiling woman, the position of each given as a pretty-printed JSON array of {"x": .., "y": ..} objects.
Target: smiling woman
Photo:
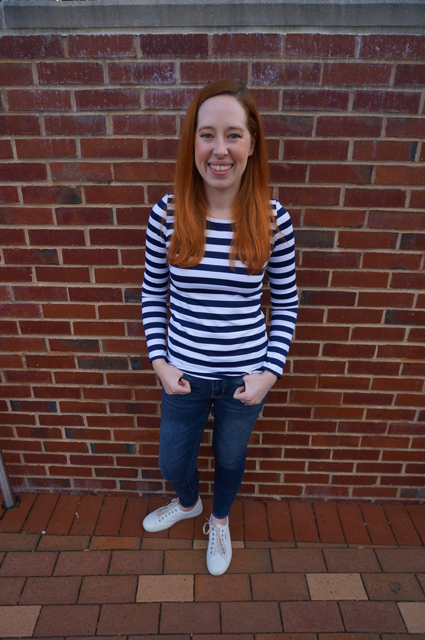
[{"x": 210, "y": 244}]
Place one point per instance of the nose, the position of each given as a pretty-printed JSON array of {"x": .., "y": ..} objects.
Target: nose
[{"x": 220, "y": 148}]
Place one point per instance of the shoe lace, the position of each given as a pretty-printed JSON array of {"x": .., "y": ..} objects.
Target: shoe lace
[
  {"x": 164, "y": 511},
  {"x": 217, "y": 542}
]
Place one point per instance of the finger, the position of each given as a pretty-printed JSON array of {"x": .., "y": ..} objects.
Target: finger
[
  {"x": 239, "y": 391},
  {"x": 184, "y": 384}
]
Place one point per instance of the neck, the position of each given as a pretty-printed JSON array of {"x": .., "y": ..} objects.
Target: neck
[{"x": 220, "y": 204}]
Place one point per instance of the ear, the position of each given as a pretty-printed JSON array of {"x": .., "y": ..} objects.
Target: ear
[{"x": 253, "y": 141}]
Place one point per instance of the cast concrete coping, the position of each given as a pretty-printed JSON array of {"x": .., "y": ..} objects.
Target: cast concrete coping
[{"x": 360, "y": 16}]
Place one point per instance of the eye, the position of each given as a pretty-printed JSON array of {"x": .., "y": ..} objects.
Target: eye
[
  {"x": 206, "y": 136},
  {"x": 234, "y": 136}
]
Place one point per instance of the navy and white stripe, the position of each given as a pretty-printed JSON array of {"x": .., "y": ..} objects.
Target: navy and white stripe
[{"x": 217, "y": 328}]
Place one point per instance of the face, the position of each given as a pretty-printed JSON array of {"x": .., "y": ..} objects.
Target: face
[{"x": 223, "y": 144}]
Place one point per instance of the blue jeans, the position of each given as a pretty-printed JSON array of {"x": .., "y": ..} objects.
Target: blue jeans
[{"x": 183, "y": 420}]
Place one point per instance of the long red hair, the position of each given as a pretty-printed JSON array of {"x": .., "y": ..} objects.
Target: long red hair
[{"x": 251, "y": 212}]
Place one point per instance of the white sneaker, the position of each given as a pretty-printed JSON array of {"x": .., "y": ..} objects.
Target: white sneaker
[
  {"x": 165, "y": 517},
  {"x": 219, "y": 552}
]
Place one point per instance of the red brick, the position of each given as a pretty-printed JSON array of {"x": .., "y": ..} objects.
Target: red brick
[
  {"x": 13, "y": 520},
  {"x": 249, "y": 44},
  {"x": 407, "y": 281},
  {"x": 80, "y": 563},
  {"x": 181, "y": 45},
  {"x": 352, "y": 524},
  {"x": 309, "y": 195},
  {"x": 38, "y": 100},
  {"x": 417, "y": 199},
  {"x": 22, "y": 563},
  {"x": 107, "y": 99},
  {"x": 162, "y": 148},
  {"x": 30, "y": 256},
  {"x": 12, "y": 236},
  {"x": 400, "y": 175},
  {"x": 255, "y": 520},
  {"x": 405, "y": 127},
  {"x": 50, "y": 148},
  {"x": 176, "y": 98},
  {"x": 64, "y": 125},
  {"x": 46, "y": 46},
  {"x": 12, "y": 74},
  {"x": 350, "y": 73},
  {"x": 289, "y": 73},
  {"x": 332, "y": 173},
  {"x": 51, "y": 195},
  {"x": 374, "y": 198},
  {"x": 89, "y": 257},
  {"x": 398, "y": 220},
  {"x": 57, "y": 237},
  {"x": 409, "y": 75},
  {"x": 19, "y": 125},
  {"x": 62, "y": 274},
  {"x": 119, "y": 195},
  {"x": 84, "y": 216},
  {"x": 144, "y": 171},
  {"x": 316, "y": 149},
  {"x": 112, "y": 148},
  {"x": 81, "y": 172},
  {"x": 101, "y": 46},
  {"x": 381, "y": 101},
  {"x": 63, "y": 515},
  {"x": 40, "y": 514},
  {"x": 352, "y": 126},
  {"x": 391, "y": 46},
  {"x": 50, "y": 591},
  {"x": 413, "y": 241},
  {"x": 110, "y": 516},
  {"x": 88, "y": 511},
  {"x": 360, "y": 239},
  {"x": 328, "y": 522},
  {"x": 141, "y": 73},
  {"x": 315, "y": 100},
  {"x": 384, "y": 150},
  {"x": 244, "y": 617},
  {"x": 135, "y": 124},
  {"x": 196, "y": 72},
  {"x": 8, "y": 195},
  {"x": 333, "y": 218},
  {"x": 70, "y": 73},
  {"x": 73, "y": 620},
  {"x": 318, "y": 45},
  {"x": 5, "y": 150},
  {"x": 190, "y": 617},
  {"x": 377, "y": 525},
  {"x": 146, "y": 562}
]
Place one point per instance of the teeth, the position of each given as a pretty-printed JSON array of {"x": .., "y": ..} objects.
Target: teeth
[{"x": 220, "y": 167}]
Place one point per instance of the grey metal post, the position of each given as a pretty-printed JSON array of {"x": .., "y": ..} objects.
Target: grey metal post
[{"x": 10, "y": 501}]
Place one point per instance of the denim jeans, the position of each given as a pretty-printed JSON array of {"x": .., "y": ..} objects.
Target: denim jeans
[{"x": 183, "y": 420}]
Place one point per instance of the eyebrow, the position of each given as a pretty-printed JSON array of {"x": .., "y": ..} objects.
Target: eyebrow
[{"x": 209, "y": 126}]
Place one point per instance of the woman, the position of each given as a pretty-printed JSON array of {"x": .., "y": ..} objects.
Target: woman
[{"x": 210, "y": 243}]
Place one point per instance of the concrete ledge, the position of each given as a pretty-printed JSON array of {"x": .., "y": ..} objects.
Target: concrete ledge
[{"x": 322, "y": 15}]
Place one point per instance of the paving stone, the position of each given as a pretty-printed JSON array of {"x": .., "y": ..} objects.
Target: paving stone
[
  {"x": 82, "y": 563},
  {"x": 286, "y": 636},
  {"x": 316, "y": 617},
  {"x": 165, "y": 589},
  {"x": 417, "y": 514},
  {"x": 336, "y": 586},
  {"x": 377, "y": 524},
  {"x": 222, "y": 636},
  {"x": 190, "y": 617},
  {"x": 174, "y": 636},
  {"x": 402, "y": 560},
  {"x": 41, "y": 513},
  {"x": 375, "y": 617},
  {"x": 392, "y": 586},
  {"x": 250, "y": 561},
  {"x": 350, "y": 636},
  {"x": 110, "y": 516},
  {"x": 401, "y": 525},
  {"x": 351, "y": 560},
  {"x": 328, "y": 524},
  {"x": 136, "y": 562},
  {"x": 279, "y": 519},
  {"x": 122, "y": 619},
  {"x": 353, "y": 525},
  {"x": 68, "y": 620},
  {"x": 18, "y": 542},
  {"x": 63, "y": 543},
  {"x": 235, "y": 519},
  {"x": 86, "y": 517},
  {"x": 107, "y": 589},
  {"x": 10, "y": 590},
  {"x": 2, "y": 556},
  {"x": 250, "y": 617},
  {"x": 264, "y": 544},
  {"x": 27, "y": 563},
  {"x": 279, "y": 586},
  {"x": 303, "y": 522},
  {"x": 413, "y": 615},
  {"x": 63, "y": 515},
  {"x": 183, "y": 530},
  {"x": 51, "y": 591},
  {"x": 402, "y": 636},
  {"x": 255, "y": 520},
  {"x": 18, "y": 621},
  {"x": 166, "y": 543},
  {"x": 203, "y": 544},
  {"x": 228, "y": 587},
  {"x": 184, "y": 562},
  {"x": 114, "y": 542},
  {"x": 133, "y": 517},
  {"x": 298, "y": 560},
  {"x": 13, "y": 520},
  {"x": 421, "y": 578}
]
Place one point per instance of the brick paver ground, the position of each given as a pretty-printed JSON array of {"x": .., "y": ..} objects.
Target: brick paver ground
[{"x": 75, "y": 568}]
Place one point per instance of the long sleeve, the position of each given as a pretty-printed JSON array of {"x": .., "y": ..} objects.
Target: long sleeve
[
  {"x": 155, "y": 283},
  {"x": 284, "y": 298}
]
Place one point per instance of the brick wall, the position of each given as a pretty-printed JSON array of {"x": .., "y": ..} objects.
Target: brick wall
[{"x": 89, "y": 128}]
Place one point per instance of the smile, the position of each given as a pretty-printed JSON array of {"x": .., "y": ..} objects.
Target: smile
[{"x": 220, "y": 167}]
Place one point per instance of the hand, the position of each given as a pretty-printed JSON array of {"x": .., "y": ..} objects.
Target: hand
[
  {"x": 257, "y": 385},
  {"x": 171, "y": 378}
]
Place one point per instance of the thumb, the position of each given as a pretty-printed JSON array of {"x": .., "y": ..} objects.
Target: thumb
[{"x": 239, "y": 391}]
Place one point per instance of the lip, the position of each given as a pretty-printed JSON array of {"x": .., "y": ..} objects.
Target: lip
[{"x": 220, "y": 172}]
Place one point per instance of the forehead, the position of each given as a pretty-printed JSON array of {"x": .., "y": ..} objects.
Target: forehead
[{"x": 224, "y": 110}]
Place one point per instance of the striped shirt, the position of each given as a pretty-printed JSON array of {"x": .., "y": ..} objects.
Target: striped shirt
[{"x": 217, "y": 328}]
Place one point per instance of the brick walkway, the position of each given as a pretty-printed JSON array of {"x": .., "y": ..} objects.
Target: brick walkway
[{"x": 81, "y": 567}]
